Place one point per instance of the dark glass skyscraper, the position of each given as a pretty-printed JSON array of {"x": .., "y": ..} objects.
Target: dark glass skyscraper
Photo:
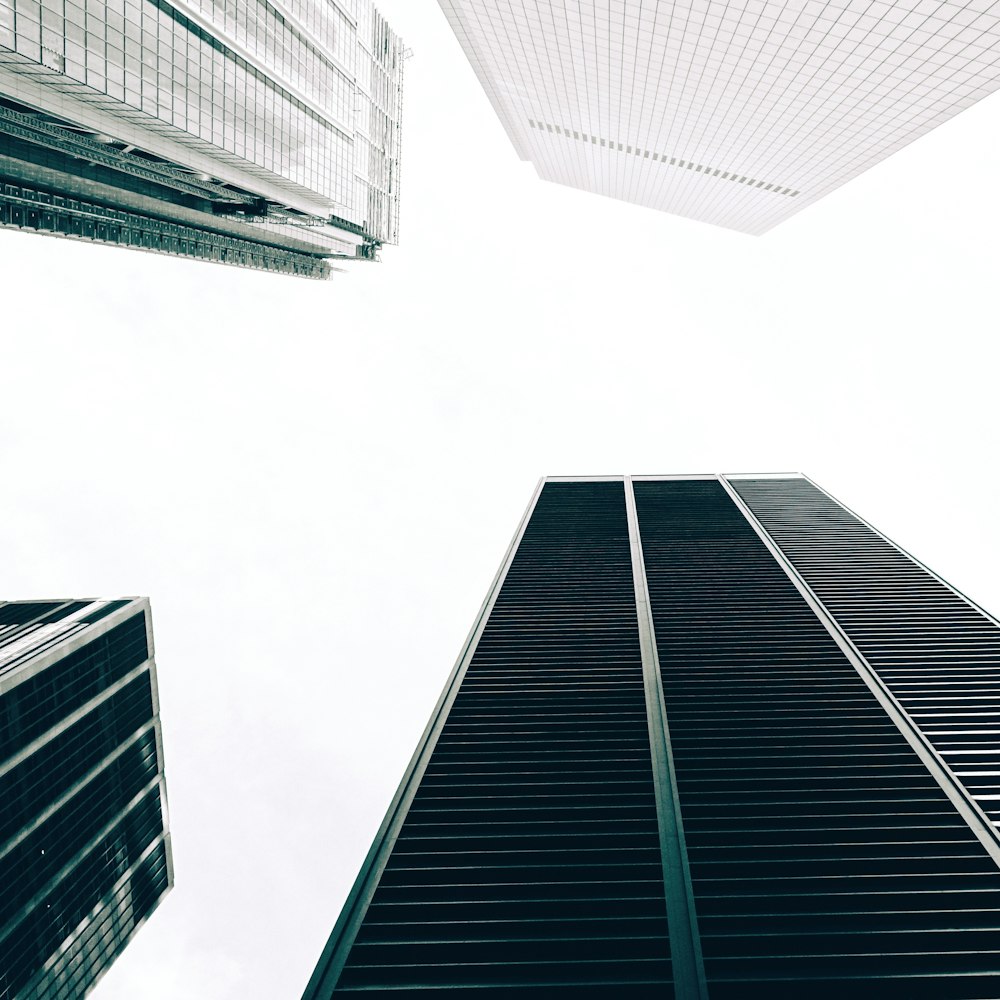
[
  {"x": 710, "y": 736},
  {"x": 84, "y": 847}
]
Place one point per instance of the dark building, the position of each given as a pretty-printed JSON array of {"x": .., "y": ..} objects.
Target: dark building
[
  {"x": 710, "y": 736},
  {"x": 84, "y": 847}
]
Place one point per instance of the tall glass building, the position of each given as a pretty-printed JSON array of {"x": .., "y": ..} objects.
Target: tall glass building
[
  {"x": 738, "y": 114},
  {"x": 84, "y": 848},
  {"x": 264, "y": 133},
  {"x": 709, "y": 737}
]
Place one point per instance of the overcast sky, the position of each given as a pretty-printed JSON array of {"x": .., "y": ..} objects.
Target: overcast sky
[{"x": 315, "y": 482}]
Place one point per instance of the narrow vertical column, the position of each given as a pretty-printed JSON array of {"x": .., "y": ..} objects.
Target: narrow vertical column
[
  {"x": 961, "y": 799},
  {"x": 685, "y": 943}
]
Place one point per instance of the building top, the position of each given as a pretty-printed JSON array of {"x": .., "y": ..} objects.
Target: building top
[{"x": 30, "y": 628}]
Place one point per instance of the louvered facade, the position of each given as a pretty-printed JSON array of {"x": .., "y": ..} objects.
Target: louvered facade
[
  {"x": 84, "y": 848},
  {"x": 709, "y": 737}
]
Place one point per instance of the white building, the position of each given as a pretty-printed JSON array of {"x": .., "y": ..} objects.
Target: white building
[
  {"x": 257, "y": 132},
  {"x": 738, "y": 114}
]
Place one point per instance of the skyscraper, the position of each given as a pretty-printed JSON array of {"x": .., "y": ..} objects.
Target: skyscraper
[
  {"x": 709, "y": 736},
  {"x": 84, "y": 848},
  {"x": 735, "y": 114},
  {"x": 264, "y": 134}
]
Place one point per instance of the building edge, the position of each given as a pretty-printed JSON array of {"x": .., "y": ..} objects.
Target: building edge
[
  {"x": 966, "y": 806},
  {"x": 909, "y": 555},
  {"x": 35, "y": 662},
  {"x": 327, "y": 972}
]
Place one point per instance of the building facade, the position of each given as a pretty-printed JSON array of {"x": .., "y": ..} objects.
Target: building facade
[
  {"x": 264, "y": 133},
  {"x": 84, "y": 847},
  {"x": 735, "y": 114},
  {"x": 709, "y": 737}
]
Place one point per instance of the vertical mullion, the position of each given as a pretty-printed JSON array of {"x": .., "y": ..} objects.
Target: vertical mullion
[{"x": 685, "y": 943}]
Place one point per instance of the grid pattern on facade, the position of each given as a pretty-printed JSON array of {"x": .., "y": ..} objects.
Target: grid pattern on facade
[
  {"x": 290, "y": 53},
  {"x": 83, "y": 850},
  {"x": 379, "y": 112},
  {"x": 936, "y": 653},
  {"x": 529, "y": 861},
  {"x": 804, "y": 95},
  {"x": 330, "y": 25},
  {"x": 291, "y": 108},
  {"x": 149, "y": 56},
  {"x": 825, "y": 860}
]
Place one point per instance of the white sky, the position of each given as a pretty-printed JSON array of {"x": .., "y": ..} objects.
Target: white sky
[{"x": 315, "y": 482}]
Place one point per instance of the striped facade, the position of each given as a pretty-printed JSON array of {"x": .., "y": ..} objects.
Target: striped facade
[
  {"x": 709, "y": 737},
  {"x": 84, "y": 848}
]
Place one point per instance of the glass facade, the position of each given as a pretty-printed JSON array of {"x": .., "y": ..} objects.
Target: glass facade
[
  {"x": 737, "y": 114},
  {"x": 84, "y": 849},
  {"x": 380, "y": 111},
  {"x": 292, "y": 103}
]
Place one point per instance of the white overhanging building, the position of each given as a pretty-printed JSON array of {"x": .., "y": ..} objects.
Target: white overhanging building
[
  {"x": 737, "y": 114},
  {"x": 264, "y": 133}
]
